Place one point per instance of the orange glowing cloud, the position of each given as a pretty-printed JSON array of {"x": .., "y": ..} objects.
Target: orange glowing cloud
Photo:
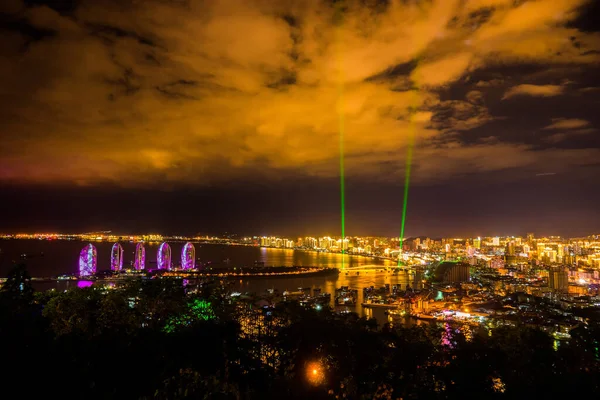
[
  {"x": 164, "y": 93},
  {"x": 533, "y": 90}
]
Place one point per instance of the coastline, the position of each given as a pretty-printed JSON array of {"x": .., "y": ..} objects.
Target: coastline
[{"x": 55, "y": 257}]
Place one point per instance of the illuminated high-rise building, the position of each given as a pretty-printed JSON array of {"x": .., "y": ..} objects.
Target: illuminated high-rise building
[
  {"x": 570, "y": 259},
  {"x": 188, "y": 256},
  {"x": 540, "y": 247},
  {"x": 163, "y": 256},
  {"x": 549, "y": 256},
  {"x": 88, "y": 259},
  {"x": 116, "y": 257},
  {"x": 310, "y": 242},
  {"x": 510, "y": 248},
  {"x": 496, "y": 241},
  {"x": 140, "y": 257},
  {"x": 558, "y": 279},
  {"x": 560, "y": 252},
  {"x": 477, "y": 243},
  {"x": 451, "y": 272},
  {"x": 324, "y": 243}
]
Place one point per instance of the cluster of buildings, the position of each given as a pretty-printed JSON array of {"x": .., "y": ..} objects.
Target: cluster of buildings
[
  {"x": 372, "y": 246},
  {"x": 88, "y": 258},
  {"x": 538, "y": 266},
  {"x": 566, "y": 266},
  {"x": 497, "y": 251},
  {"x": 105, "y": 236}
]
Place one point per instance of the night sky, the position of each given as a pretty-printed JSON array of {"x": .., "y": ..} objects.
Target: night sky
[{"x": 188, "y": 116}]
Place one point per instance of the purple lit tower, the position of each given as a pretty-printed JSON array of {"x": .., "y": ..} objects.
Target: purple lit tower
[
  {"x": 163, "y": 258},
  {"x": 88, "y": 259},
  {"x": 140, "y": 257},
  {"x": 116, "y": 257},
  {"x": 188, "y": 256}
]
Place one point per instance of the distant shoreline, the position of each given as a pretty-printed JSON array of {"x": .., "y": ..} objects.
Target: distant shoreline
[{"x": 373, "y": 257}]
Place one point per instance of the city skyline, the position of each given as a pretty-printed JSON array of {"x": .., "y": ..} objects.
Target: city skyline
[
  {"x": 155, "y": 236},
  {"x": 581, "y": 254},
  {"x": 295, "y": 116}
]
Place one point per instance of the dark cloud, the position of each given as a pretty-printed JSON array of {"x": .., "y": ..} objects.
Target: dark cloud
[{"x": 587, "y": 18}]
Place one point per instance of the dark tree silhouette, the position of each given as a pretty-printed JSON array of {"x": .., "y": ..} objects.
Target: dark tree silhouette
[
  {"x": 152, "y": 340},
  {"x": 17, "y": 290}
]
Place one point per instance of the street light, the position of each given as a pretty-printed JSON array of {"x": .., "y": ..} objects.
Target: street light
[{"x": 314, "y": 373}]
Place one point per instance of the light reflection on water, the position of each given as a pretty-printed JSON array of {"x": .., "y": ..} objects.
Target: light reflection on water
[
  {"x": 328, "y": 284},
  {"x": 50, "y": 258}
]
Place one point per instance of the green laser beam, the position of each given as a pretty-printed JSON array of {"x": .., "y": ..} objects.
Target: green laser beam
[
  {"x": 409, "y": 156},
  {"x": 342, "y": 184},
  {"x": 407, "y": 170},
  {"x": 341, "y": 128}
]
